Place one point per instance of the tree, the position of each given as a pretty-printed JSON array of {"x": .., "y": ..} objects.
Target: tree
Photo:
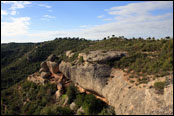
[
  {"x": 149, "y": 38},
  {"x": 153, "y": 38},
  {"x": 168, "y": 37}
]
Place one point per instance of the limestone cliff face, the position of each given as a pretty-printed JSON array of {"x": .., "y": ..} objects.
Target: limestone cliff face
[
  {"x": 90, "y": 76},
  {"x": 110, "y": 83},
  {"x": 94, "y": 75}
]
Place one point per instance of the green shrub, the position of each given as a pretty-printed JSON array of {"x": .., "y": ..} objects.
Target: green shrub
[
  {"x": 38, "y": 110},
  {"x": 74, "y": 57},
  {"x": 107, "y": 111},
  {"x": 79, "y": 99},
  {"x": 143, "y": 80},
  {"x": 132, "y": 81},
  {"x": 32, "y": 107},
  {"x": 47, "y": 111},
  {"x": 81, "y": 60},
  {"x": 63, "y": 111},
  {"x": 131, "y": 76},
  {"x": 26, "y": 85},
  {"x": 71, "y": 93},
  {"x": 56, "y": 110},
  {"x": 92, "y": 105},
  {"x": 44, "y": 101},
  {"x": 159, "y": 86}
]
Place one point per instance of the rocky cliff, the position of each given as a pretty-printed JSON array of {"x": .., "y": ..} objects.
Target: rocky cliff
[{"x": 96, "y": 76}]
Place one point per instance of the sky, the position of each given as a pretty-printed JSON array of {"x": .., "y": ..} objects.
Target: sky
[{"x": 38, "y": 21}]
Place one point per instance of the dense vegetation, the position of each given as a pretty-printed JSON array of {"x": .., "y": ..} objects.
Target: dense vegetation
[
  {"x": 28, "y": 98},
  {"x": 88, "y": 102},
  {"x": 18, "y": 60}
]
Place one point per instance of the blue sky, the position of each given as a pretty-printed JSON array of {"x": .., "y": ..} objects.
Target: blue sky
[{"x": 36, "y": 21}]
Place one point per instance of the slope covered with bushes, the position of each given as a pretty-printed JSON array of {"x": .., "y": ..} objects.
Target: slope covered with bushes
[{"x": 18, "y": 60}]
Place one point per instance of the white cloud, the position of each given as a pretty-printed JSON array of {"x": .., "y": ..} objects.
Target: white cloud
[
  {"x": 140, "y": 8},
  {"x": 101, "y": 16},
  {"x": 46, "y": 6},
  {"x": 13, "y": 12},
  {"x": 108, "y": 19},
  {"x": 127, "y": 24},
  {"x": 4, "y": 12},
  {"x": 87, "y": 26},
  {"x": 47, "y": 17},
  {"x": 18, "y": 26},
  {"x": 16, "y": 4}
]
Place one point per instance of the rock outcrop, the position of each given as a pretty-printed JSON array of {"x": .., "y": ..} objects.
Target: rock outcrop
[
  {"x": 49, "y": 72},
  {"x": 101, "y": 56},
  {"x": 48, "y": 69},
  {"x": 96, "y": 76},
  {"x": 36, "y": 78},
  {"x": 69, "y": 53}
]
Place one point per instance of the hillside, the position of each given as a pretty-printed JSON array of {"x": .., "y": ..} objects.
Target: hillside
[{"x": 142, "y": 63}]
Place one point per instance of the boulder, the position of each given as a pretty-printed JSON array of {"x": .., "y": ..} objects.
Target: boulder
[
  {"x": 58, "y": 94},
  {"x": 36, "y": 78},
  {"x": 53, "y": 67},
  {"x": 45, "y": 74},
  {"x": 50, "y": 65},
  {"x": 44, "y": 66},
  {"x": 80, "y": 111},
  {"x": 51, "y": 58},
  {"x": 69, "y": 53},
  {"x": 59, "y": 86},
  {"x": 41, "y": 70},
  {"x": 72, "y": 106}
]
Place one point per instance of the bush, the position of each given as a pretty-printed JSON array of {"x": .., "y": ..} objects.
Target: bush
[
  {"x": 74, "y": 57},
  {"x": 159, "y": 86},
  {"x": 56, "y": 110},
  {"x": 79, "y": 99},
  {"x": 32, "y": 107},
  {"x": 143, "y": 80},
  {"x": 107, "y": 111},
  {"x": 92, "y": 105},
  {"x": 37, "y": 111},
  {"x": 63, "y": 111},
  {"x": 26, "y": 85},
  {"x": 71, "y": 93},
  {"x": 47, "y": 111},
  {"x": 81, "y": 60},
  {"x": 44, "y": 101}
]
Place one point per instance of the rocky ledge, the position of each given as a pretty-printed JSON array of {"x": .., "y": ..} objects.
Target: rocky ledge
[{"x": 94, "y": 75}]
